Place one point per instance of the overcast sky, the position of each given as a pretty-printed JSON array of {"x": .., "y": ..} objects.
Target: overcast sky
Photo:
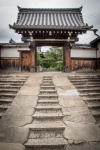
[{"x": 9, "y": 11}]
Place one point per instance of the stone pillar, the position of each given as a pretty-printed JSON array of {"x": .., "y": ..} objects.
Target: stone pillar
[
  {"x": 32, "y": 57},
  {"x": 66, "y": 57}
]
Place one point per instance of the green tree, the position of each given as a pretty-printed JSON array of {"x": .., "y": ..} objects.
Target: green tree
[{"x": 52, "y": 60}]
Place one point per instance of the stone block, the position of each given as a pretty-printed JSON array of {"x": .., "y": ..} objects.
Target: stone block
[
  {"x": 26, "y": 101},
  {"x": 13, "y": 121},
  {"x": 84, "y": 132},
  {"x": 19, "y": 110},
  {"x": 11, "y": 146},
  {"x": 14, "y": 135},
  {"x": 29, "y": 90}
]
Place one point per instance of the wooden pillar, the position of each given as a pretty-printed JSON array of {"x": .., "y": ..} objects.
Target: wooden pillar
[
  {"x": 66, "y": 57},
  {"x": 20, "y": 61},
  {"x": 32, "y": 57}
]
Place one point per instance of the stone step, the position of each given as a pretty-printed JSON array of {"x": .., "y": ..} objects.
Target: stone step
[
  {"x": 9, "y": 83},
  {"x": 89, "y": 90},
  {"x": 82, "y": 80},
  {"x": 14, "y": 81},
  {"x": 86, "y": 86},
  {"x": 47, "y": 86},
  {"x": 46, "y": 133},
  {"x": 9, "y": 90},
  {"x": 47, "y": 126},
  {"x": 45, "y": 142},
  {"x": 49, "y": 91},
  {"x": 48, "y": 108},
  {"x": 7, "y": 95},
  {"x": 48, "y": 116},
  {"x": 91, "y": 99},
  {"x": 48, "y": 103},
  {"x": 9, "y": 86},
  {"x": 86, "y": 83},
  {"x": 4, "y": 107},
  {"x": 77, "y": 78},
  {"x": 90, "y": 94},
  {"x": 48, "y": 96},
  {"x": 96, "y": 106},
  {"x": 6, "y": 100},
  {"x": 96, "y": 113},
  {"x": 47, "y": 76}
]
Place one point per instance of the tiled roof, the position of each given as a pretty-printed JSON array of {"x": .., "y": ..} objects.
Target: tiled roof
[
  {"x": 13, "y": 44},
  {"x": 81, "y": 46},
  {"x": 70, "y": 18},
  {"x": 95, "y": 41}
]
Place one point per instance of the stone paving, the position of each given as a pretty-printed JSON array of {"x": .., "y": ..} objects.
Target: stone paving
[{"x": 81, "y": 131}]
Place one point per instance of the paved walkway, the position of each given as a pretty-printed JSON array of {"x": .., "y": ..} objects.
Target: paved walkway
[{"x": 81, "y": 131}]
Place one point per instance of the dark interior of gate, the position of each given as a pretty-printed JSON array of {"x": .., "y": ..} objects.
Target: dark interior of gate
[{"x": 49, "y": 27}]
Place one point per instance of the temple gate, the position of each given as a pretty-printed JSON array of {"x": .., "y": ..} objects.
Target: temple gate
[{"x": 49, "y": 27}]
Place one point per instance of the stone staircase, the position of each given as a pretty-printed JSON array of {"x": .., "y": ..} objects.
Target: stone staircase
[
  {"x": 9, "y": 86},
  {"x": 88, "y": 87},
  {"x": 46, "y": 130}
]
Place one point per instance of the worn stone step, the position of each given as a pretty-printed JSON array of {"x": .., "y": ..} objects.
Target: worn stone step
[
  {"x": 46, "y": 133},
  {"x": 4, "y": 107},
  {"x": 10, "y": 86},
  {"x": 85, "y": 80},
  {"x": 89, "y": 90},
  {"x": 48, "y": 103},
  {"x": 9, "y": 83},
  {"x": 55, "y": 96},
  {"x": 91, "y": 99},
  {"x": 96, "y": 106},
  {"x": 6, "y": 100},
  {"x": 47, "y": 76},
  {"x": 12, "y": 81},
  {"x": 47, "y": 84},
  {"x": 87, "y": 86},
  {"x": 7, "y": 95},
  {"x": 86, "y": 83},
  {"x": 46, "y": 92},
  {"x": 46, "y": 116},
  {"x": 90, "y": 94},
  {"x": 45, "y": 142},
  {"x": 47, "y": 126},
  {"x": 47, "y": 88},
  {"x": 9, "y": 90},
  {"x": 50, "y": 91},
  {"x": 48, "y": 107},
  {"x": 96, "y": 113}
]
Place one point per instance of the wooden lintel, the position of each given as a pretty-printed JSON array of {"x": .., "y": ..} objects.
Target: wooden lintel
[{"x": 54, "y": 40}]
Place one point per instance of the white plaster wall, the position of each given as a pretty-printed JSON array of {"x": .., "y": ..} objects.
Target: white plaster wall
[
  {"x": 83, "y": 53},
  {"x": 11, "y": 52},
  {"x": 98, "y": 51}
]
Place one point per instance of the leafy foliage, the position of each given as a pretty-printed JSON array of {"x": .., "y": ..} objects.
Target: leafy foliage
[{"x": 53, "y": 59}]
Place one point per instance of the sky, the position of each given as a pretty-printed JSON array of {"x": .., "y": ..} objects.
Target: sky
[{"x": 9, "y": 11}]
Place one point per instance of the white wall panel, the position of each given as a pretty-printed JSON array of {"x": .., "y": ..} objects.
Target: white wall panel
[
  {"x": 83, "y": 53},
  {"x": 11, "y": 52}
]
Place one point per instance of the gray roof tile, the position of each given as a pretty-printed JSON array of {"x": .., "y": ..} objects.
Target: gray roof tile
[{"x": 50, "y": 18}]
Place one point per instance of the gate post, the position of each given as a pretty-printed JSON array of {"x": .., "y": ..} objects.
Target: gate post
[
  {"x": 32, "y": 47},
  {"x": 66, "y": 57}
]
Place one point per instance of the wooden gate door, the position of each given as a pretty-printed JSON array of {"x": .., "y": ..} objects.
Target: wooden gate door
[{"x": 25, "y": 61}]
